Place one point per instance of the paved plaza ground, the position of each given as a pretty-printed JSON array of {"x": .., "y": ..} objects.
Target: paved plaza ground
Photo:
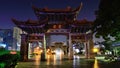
[{"x": 77, "y": 62}]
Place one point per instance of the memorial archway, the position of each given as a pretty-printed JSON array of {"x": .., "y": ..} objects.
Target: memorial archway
[{"x": 59, "y": 22}]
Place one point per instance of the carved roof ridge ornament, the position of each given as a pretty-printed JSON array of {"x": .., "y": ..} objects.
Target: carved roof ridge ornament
[
  {"x": 66, "y": 10},
  {"x": 30, "y": 22}
]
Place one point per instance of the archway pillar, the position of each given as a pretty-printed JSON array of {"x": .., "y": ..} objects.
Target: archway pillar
[
  {"x": 24, "y": 48},
  {"x": 70, "y": 55},
  {"x": 43, "y": 55},
  {"x": 86, "y": 49},
  {"x": 91, "y": 46},
  {"x": 89, "y": 49}
]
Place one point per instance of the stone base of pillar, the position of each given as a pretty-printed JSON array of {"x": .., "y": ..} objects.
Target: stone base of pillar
[
  {"x": 91, "y": 46},
  {"x": 70, "y": 56},
  {"x": 24, "y": 58},
  {"x": 43, "y": 58},
  {"x": 92, "y": 56}
]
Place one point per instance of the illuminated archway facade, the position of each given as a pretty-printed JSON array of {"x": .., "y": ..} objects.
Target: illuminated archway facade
[{"x": 61, "y": 23}]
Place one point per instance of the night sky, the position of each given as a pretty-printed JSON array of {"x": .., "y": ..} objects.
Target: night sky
[{"x": 22, "y": 9}]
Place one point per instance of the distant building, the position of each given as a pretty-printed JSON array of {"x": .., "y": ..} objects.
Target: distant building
[
  {"x": 17, "y": 38},
  {"x": 6, "y": 37}
]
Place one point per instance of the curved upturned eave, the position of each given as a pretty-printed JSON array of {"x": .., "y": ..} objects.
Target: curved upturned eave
[
  {"x": 16, "y": 22},
  {"x": 29, "y": 23},
  {"x": 46, "y": 10},
  {"x": 78, "y": 8},
  {"x": 31, "y": 29}
]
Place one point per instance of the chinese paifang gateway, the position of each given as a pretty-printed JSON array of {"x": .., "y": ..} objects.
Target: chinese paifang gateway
[{"x": 56, "y": 30}]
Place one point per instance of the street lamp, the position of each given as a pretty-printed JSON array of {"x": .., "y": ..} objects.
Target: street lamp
[{"x": 95, "y": 50}]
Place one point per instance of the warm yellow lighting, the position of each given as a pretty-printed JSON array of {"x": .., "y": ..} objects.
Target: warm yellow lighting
[
  {"x": 41, "y": 51},
  {"x": 37, "y": 47},
  {"x": 95, "y": 50},
  {"x": 96, "y": 64},
  {"x": 49, "y": 52},
  {"x": 59, "y": 26},
  {"x": 37, "y": 60},
  {"x": 48, "y": 59},
  {"x": 13, "y": 52},
  {"x": 54, "y": 57},
  {"x": 54, "y": 26}
]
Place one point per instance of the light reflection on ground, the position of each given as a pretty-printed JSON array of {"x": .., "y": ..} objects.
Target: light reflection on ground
[
  {"x": 54, "y": 61},
  {"x": 77, "y": 62},
  {"x": 96, "y": 64}
]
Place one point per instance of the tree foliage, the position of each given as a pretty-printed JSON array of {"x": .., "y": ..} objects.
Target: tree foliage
[
  {"x": 108, "y": 44},
  {"x": 108, "y": 19}
]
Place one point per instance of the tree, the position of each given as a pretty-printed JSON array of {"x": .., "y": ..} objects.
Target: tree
[
  {"x": 108, "y": 19},
  {"x": 108, "y": 45}
]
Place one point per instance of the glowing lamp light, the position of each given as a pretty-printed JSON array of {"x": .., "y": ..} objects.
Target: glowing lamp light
[
  {"x": 3, "y": 45},
  {"x": 41, "y": 51},
  {"x": 58, "y": 51},
  {"x": 13, "y": 52},
  {"x": 95, "y": 50},
  {"x": 54, "y": 26},
  {"x": 59, "y": 26},
  {"x": 77, "y": 50},
  {"x": 37, "y": 47}
]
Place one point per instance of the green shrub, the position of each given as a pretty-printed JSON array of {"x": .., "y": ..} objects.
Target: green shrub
[{"x": 7, "y": 60}]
